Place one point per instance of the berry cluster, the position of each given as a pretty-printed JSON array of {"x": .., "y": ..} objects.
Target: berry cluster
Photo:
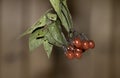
[{"x": 77, "y": 46}]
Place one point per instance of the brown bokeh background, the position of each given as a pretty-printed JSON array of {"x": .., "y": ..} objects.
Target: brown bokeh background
[{"x": 100, "y": 19}]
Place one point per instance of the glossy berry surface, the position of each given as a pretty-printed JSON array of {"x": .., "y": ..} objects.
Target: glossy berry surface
[
  {"x": 78, "y": 53},
  {"x": 70, "y": 48},
  {"x": 78, "y": 50},
  {"x": 77, "y": 42},
  {"x": 85, "y": 45},
  {"x": 70, "y": 55},
  {"x": 91, "y": 44}
]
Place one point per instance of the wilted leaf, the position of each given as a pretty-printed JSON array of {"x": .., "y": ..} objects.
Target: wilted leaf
[{"x": 48, "y": 48}]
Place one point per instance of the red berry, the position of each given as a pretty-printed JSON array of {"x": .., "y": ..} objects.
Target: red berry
[
  {"x": 70, "y": 55},
  {"x": 78, "y": 50},
  {"x": 91, "y": 44},
  {"x": 78, "y": 53},
  {"x": 85, "y": 45},
  {"x": 70, "y": 48},
  {"x": 77, "y": 43}
]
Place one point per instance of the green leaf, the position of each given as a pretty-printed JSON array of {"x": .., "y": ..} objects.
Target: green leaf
[
  {"x": 51, "y": 40},
  {"x": 33, "y": 41},
  {"x": 56, "y": 6},
  {"x": 65, "y": 22},
  {"x": 64, "y": 2},
  {"x": 40, "y": 23},
  {"x": 56, "y": 33},
  {"x": 67, "y": 14},
  {"x": 52, "y": 16},
  {"x": 63, "y": 13},
  {"x": 48, "y": 48}
]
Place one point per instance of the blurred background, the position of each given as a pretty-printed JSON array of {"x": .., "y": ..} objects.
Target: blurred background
[{"x": 99, "y": 19}]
